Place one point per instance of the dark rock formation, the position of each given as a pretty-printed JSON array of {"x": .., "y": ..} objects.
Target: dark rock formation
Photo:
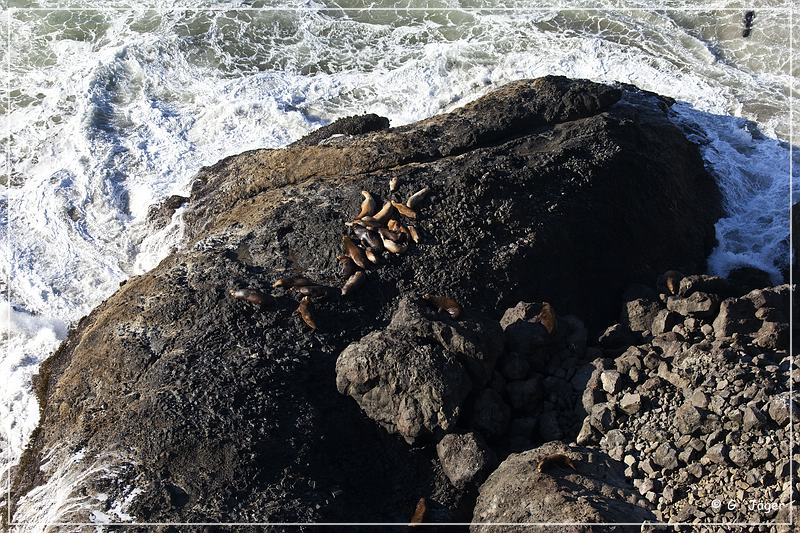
[{"x": 218, "y": 410}]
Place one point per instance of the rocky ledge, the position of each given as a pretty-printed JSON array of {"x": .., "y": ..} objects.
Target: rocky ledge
[{"x": 220, "y": 394}]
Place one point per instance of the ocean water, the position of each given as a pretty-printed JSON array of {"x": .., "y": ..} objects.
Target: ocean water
[{"x": 107, "y": 111}]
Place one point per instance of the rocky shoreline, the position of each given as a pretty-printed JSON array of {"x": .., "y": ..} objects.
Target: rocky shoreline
[{"x": 552, "y": 203}]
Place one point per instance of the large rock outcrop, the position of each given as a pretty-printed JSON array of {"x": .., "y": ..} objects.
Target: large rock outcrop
[{"x": 217, "y": 410}]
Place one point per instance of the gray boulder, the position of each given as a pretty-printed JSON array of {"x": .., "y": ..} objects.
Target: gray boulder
[
  {"x": 465, "y": 458},
  {"x": 413, "y": 377},
  {"x": 520, "y": 491},
  {"x": 639, "y": 314},
  {"x": 697, "y": 304},
  {"x": 736, "y": 315}
]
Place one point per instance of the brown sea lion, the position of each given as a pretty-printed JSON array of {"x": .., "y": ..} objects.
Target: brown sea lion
[
  {"x": 348, "y": 266},
  {"x": 314, "y": 291},
  {"x": 292, "y": 281},
  {"x": 353, "y": 282},
  {"x": 304, "y": 310},
  {"x": 547, "y": 318},
  {"x": 251, "y": 296},
  {"x": 557, "y": 459},
  {"x": 367, "y": 206},
  {"x": 417, "y": 197},
  {"x": 419, "y": 513},
  {"x": 404, "y": 210},
  {"x": 354, "y": 252},
  {"x": 444, "y": 303}
]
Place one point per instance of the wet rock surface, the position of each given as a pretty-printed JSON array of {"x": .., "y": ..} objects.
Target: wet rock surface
[{"x": 551, "y": 191}]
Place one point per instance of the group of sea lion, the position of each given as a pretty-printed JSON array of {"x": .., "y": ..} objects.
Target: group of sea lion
[{"x": 372, "y": 233}]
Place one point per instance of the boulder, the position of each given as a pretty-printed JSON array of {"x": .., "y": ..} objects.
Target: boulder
[
  {"x": 638, "y": 315},
  {"x": 532, "y": 487},
  {"x": 465, "y": 458},
  {"x": 697, "y": 304},
  {"x": 703, "y": 283},
  {"x": 664, "y": 321},
  {"x": 409, "y": 388},
  {"x": 736, "y": 315}
]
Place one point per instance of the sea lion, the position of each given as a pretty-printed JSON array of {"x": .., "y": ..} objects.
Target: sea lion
[
  {"x": 404, "y": 210},
  {"x": 394, "y": 247},
  {"x": 367, "y": 206},
  {"x": 386, "y": 233},
  {"x": 354, "y": 252},
  {"x": 397, "y": 227},
  {"x": 381, "y": 216},
  {"x": 314, "y": 291},
  {"x": 348, "y": 266},
  {"x": 292, "y": 281},
  {"x": 412, "y": 231},
  {"x": 671, "y": 281},
  {"x": 547, "y": 318},
  {"x": 747, "y": 23},
  {"x": 557, "y": 459},
  {"x": 359, "y": 230},
  {"x": 373, "y": 255},
  {"x": 353, "y": 282},
  {"x": 304, "y": 310},
  {"x": 251, "y": 296},
  {"x": 393, "y": 184},
  {"x": 417, "y": 197},
  {"x": 367, "y": 222},
  {"x": 371, "y": 239},
  {"x": 444, "y": 303},
  {"x": 419, "y": 513}
]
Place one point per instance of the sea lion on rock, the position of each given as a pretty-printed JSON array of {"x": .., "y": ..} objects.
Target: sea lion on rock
[
  {"x": 314, "y": 291},
  {"x": 251, "y": 296},
  {"x": 670, "y": 281},
  {"x": 394, "y": 247},
  {"x": 371, "y": 239},
  {"x": 381, "y": 216},
  {"x": 354, "y": 252},
  {"x": 373, "y": 255},
  {"x": 292, "y": 281},
  {"x": 404, "y": 210},
  {"x": 557, "y": 459},
  {"x": 444, "y": 303},
  {"x": 393, "y": 184},
  {"x": 348, "y": 266},
  {"x": 547, "y": 318},
  {"x": 419, "y": 513},
  {"x": 353, "y": 282},
  {"x": 304, "y": 310},
  {"x": 367, "y": 206},
  {"x": 417, "y": 197},
  {"x": 412, "y": 231}
]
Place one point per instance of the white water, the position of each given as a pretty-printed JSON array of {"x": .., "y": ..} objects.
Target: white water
[{"x": 113, "y": 111}]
